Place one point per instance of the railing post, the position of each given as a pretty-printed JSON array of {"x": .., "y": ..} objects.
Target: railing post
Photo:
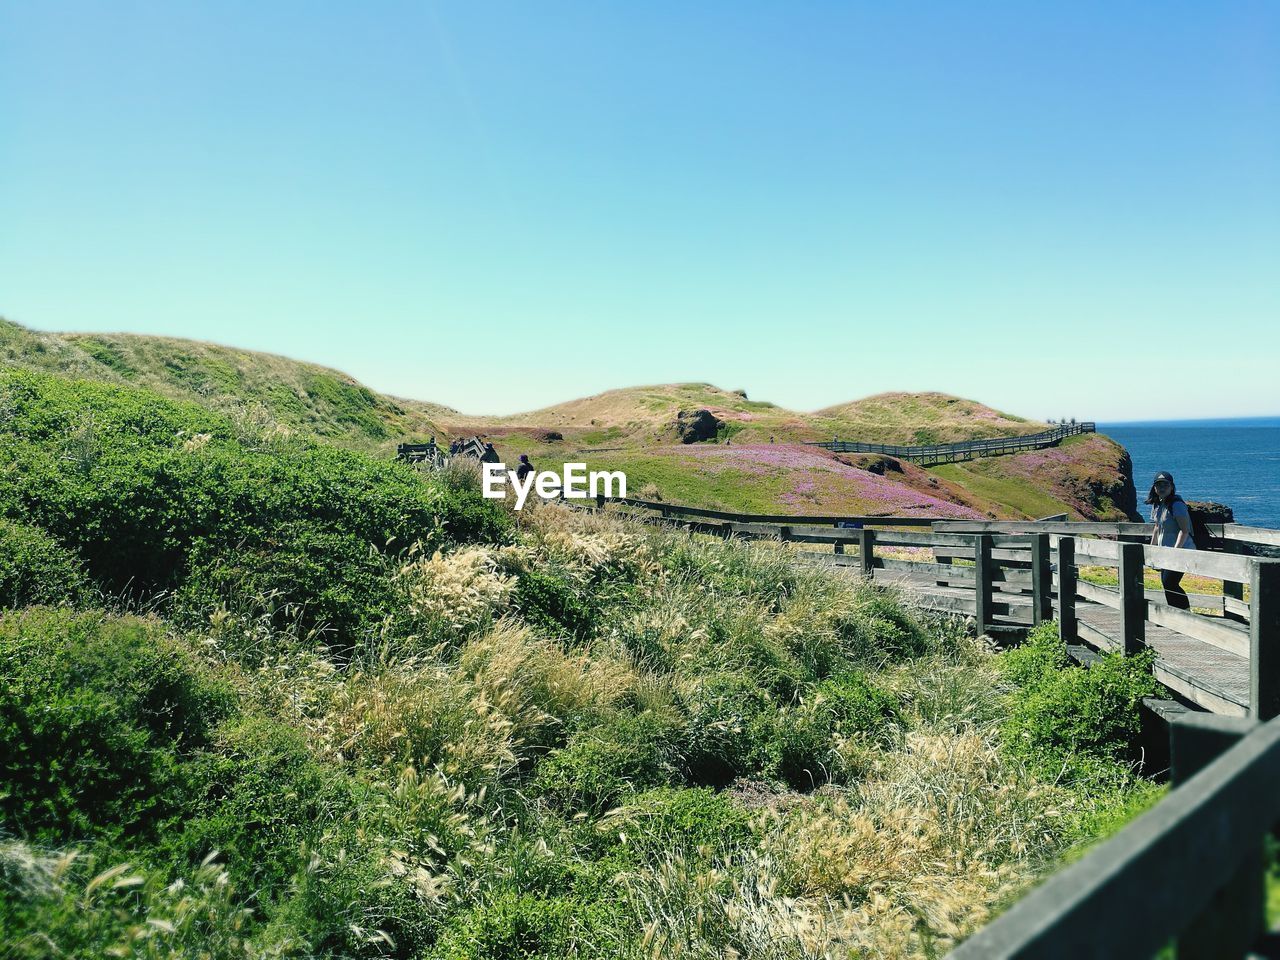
[
  {"x": 982, "y": 581},
  {"x": 1264, "y": 639},
  {"x": 1041, "y": 579},
  {"x": 838, "y": 546},
  {"x": 866, "y": 549},
  {"x": 1230, "y": 588},
  {"x": 1236, "y": 917},
  {"x": 1067, "y": 628},
  {"x": 1133, "y": 598}
]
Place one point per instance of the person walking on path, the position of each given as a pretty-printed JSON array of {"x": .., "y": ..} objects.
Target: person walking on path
[
  {"x": 1172, "y": 522},
  {"x": 525, "y": 467}
]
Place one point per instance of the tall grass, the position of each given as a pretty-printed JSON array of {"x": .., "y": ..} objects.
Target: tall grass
[{"x": 588, "y": 738}]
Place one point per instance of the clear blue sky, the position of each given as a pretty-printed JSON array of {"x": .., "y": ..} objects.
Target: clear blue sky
[{"x": 1058, "y": 209}]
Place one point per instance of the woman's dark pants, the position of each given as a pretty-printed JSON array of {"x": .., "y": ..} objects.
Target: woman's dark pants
[{"x": 1174, "y": 595}]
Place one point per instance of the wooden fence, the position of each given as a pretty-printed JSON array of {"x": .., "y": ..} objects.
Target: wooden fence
[
  {"x": 1190, "y": 871},
  {"x": 927, "y": 454},
  {"x": 1011, "y": 575}
]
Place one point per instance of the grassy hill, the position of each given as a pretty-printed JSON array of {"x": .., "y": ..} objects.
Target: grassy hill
[
  {"x": 263, "y": 696},
  {"x": 256, "y": 387},
  {"x": 647, "y": 415},
  {"x": 755, "y": 461}
]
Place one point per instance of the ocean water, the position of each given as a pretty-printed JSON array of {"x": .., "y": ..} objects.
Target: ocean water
[{"x": 1236, "y": 462}]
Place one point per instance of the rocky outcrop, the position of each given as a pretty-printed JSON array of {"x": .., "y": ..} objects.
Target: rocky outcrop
[
  {"x": 696, "y": 426},
  {"x": 1124, "y": 495},
  {"x": 1212, "y": 512}
]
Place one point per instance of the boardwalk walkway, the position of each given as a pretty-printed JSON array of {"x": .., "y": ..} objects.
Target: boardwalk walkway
[
  {"x": 929, "y": 454},
  {"x": 1208, "y": 676},
  {"x": 1223, "y": 656}
]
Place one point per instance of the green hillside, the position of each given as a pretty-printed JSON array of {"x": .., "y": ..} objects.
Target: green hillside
[
  {"x": 263, "y": 696},
  {"x": 256, "y": 388},
  {"x": 647, "y": 414},
  {"x": 754, "y": 458}
]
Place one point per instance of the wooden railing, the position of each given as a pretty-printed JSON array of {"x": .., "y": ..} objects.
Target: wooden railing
[
  {"x": 1011, "y": 575},
  {"x": 1190, "y": 870},
  {"x": 927, "y": 454},
  {"x": 1004, "y": 581}
]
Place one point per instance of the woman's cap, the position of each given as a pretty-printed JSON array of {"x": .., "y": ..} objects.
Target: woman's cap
[{"x": 1163, "y": 476}]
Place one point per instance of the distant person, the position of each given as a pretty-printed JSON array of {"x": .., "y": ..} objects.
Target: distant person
[
  {"x": 525, "y": 467},
  {"x": 1172, "y": 519}
]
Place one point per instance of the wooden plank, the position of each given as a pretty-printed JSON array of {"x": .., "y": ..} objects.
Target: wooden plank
[
  {"x": 1104, "y": 553},
  {"x": 1106, "y": 596},
  {"x": 676, "y": 509},
  {"x": 1219, "y": 633},
  {"x": 1196, "y": 691},
  {"x": 1041, "y": 579},
  {"x": 894, "y": 538},
  {"x": 1068, "y": 528},
  {"x": 1091, "y": 634},
  {"x": 1083, "y": 655},
  {"x": 1005, "y": 556},
  {"x": 938, "y": 604},
  {"x": 1236, "y": 916},
  {"x": 1223, "y": 566},
  {"x": 982, "y": 580},
  {"x": 866, "y": 551},
  {"x": 1245, "y": 534},
  {"x": 1237, "y": 607},
  {"x": 931, "y": 571},
  {"x": 1118, "y": 900},
  {"x": 1205, "y": 601}
]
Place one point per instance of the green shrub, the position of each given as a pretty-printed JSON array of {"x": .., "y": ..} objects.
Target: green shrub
[
  {"x": 137, "y": 485},
  {"x": 850, "y": 704},
  {"x": 552, "y": 599},
  {"x": 99, "y": 906},
  {"x": 35, "y": 568},
  {"x": 879, "y": 628},
  {"x": 728, "y": 730},
  {"x": 95, "y": 714},
  {"x": 1041, "y": 655},
  {"x": 262, "y": 799},
  {"x": 810, "y": 744},
  {"x": 600, "y": 765},
  {"x": 668, "y": 821},
  {"x": 516, "y": 926},
  {"x": 745, "y": 571},
  {"x": 301, "y": 575},
  {"x": 1071, "y": 721}
]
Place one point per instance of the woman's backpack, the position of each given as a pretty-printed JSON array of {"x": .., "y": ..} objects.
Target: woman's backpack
[{"x": 1200, "y": 530}]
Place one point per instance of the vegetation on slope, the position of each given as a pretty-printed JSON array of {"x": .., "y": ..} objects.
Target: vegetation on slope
[
  {"x": 279, "y": 699},
  {"x": 1088, "y": 477},
  {"x": 645, "y": 415},
  {"x": 632, "y": 429},
  {"x": 257, "y": 389}
]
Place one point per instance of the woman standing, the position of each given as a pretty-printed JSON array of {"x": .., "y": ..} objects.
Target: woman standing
[{"x": 1172, "y": 519}]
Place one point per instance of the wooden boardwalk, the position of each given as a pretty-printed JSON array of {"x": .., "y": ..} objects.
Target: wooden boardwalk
[
  {"x": 1208, "y": 676},
  {"x": 935, "y": 453},
  {"x": 1222, "y": 657}
]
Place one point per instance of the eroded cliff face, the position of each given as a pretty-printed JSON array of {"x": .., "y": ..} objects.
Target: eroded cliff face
[
  {"x": 1097, "y": 480},
  {"x": 1122, "y": 493}
]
